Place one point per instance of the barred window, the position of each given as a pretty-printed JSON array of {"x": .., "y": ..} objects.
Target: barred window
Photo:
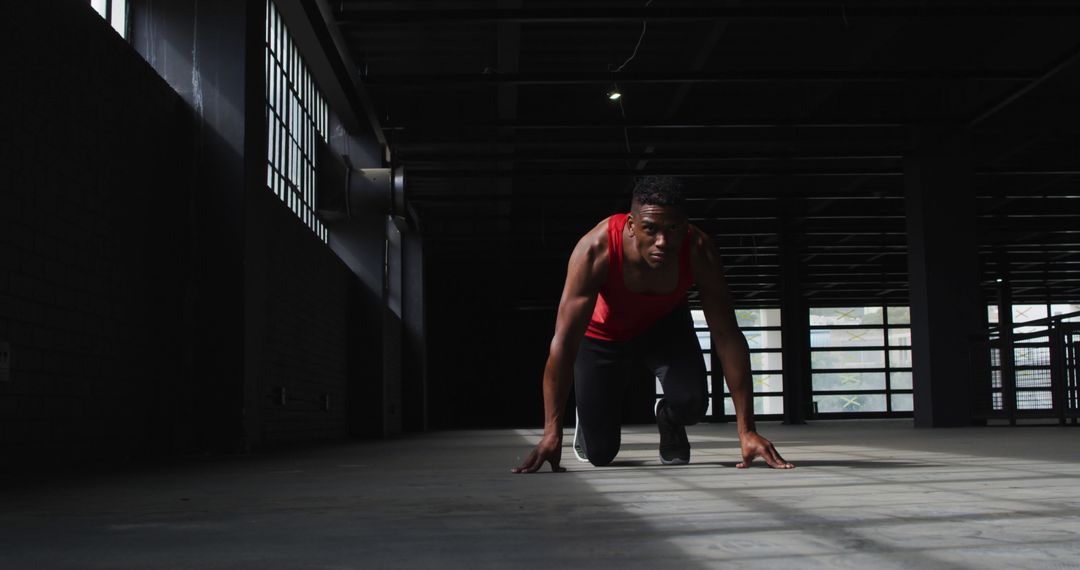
[
  {"x": 296, "y": 117},
  {"x": 762, "y": 329},
  {"x": 114, "y": 12},
  {"x": 860, "y": 360}
]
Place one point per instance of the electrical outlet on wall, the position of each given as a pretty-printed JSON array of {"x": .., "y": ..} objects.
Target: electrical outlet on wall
[{"x": 5, "y": 361}]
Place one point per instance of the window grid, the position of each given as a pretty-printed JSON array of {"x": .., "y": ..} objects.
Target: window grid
[
  {"x": 766, "y": 402},
  {"x": 296, "y": 118},
  {"x": 867, "y": 372}
]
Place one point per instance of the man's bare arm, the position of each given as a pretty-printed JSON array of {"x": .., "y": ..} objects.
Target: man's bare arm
[
  {"x": 585, "y": 275},
  {"x": 732, "y": 349}
]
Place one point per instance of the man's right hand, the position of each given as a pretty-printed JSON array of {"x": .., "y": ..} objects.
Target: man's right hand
[{"x": 550, "y": 450}]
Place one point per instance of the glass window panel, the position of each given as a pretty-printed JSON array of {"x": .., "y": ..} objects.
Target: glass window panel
[
  {"x": 992, "y": 314},
  {"x": 1039, "y": 400},
  {"x": 1038, "y": 378},
  {"x": 1031, "y": 356},
  {"x": 708, "y": 361},
  {"x": 899, "y": 337},
  {"x": 899, "y": 359},
  {"x": 762, "y": 405},
  {"x": 995, "y": 379},
  {"x": 763, "y": 339},
  {"x": 1023, "y": 313},
  {"x": 845, "y": 316},
  {"x": 998, "y": 403},
  {"x": 845, "y": 381},
  {"x": 659, "y": 386},
  {"x": 768, "y": 405},
  {"x": 899, "y": 315},
  {"x": 757, "y": 317},
  {"x": 903, "y": 403},
  {"x": 770, "y": 317},
  {"x": 995, "y": 357},
  {"x": 821, "y": 359},
  {"x": 708, "y": 410},
  {"x": 849, "y": 403},
  {"x": 768, "y": 382},
  {"x": 835, "y": 338},
  {"x": 119, "y": 17},
  {"x": 99, "y": 6},
  {"x": 900, "y": 380},
  {"x": 699, "y": 319},
  {"x": 1063, "y": 309},
  {"x": 766, "y": 361},
  {"x": 704, "y": 340}
]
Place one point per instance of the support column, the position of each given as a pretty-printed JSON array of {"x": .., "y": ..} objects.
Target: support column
[
  {"x": 943, "y": 269},
  {"x": 794, "y": 318},
  {"x": 1007, "y": 355}
]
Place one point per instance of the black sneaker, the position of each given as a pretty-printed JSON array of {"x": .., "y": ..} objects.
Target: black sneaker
[{"x": 674, "y": 446}]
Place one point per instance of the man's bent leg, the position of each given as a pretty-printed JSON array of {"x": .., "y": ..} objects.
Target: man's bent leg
[
  {"x": 671, "y": 350},
  {"x": 599, "y": 374}
]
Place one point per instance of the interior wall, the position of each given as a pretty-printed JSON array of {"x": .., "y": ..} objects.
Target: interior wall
[
  {"x": 110, "y": 292},
  {"x": 297, "y": 333},
  {"x": 143, "y": 276}
]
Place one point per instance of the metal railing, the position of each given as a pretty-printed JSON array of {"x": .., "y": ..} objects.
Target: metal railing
[{"x": 1033, "y": 374}]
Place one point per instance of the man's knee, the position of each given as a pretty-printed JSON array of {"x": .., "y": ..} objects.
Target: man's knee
[
  {"x": 602, "y": 455},
  {"x": 600, "y": 460}
]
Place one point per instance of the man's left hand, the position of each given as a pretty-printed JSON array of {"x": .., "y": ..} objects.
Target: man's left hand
[{"x": 753, "y": 445}]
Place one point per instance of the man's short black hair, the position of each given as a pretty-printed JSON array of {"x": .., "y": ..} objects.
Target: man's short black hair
[{"x": 658, "y": 191}]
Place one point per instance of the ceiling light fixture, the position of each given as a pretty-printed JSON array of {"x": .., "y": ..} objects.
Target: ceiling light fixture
[{"x": 614, "y": 94}]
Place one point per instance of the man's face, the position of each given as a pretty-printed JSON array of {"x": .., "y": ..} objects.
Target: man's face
[{"x": 658, "y": 232}]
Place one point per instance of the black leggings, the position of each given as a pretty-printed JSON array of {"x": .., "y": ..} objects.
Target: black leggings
[{"x": 670, "y": 349}]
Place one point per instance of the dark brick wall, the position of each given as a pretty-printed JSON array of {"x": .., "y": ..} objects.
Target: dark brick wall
[
  {"x": 152, "y": 300},
  {"x": 94, "y": 235},
  {"x": 303, "y": 293}
]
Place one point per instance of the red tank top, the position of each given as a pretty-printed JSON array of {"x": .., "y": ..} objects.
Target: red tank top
[{"x": 621, "y": 314}]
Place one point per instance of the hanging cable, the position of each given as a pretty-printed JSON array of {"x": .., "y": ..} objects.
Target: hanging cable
[
  {"x": 618, "y": 99},
  {"x": 644, "y": 28}
]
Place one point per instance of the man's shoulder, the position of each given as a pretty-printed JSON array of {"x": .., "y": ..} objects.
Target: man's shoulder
[
  {"x": 703, "y": 252},
  {"x": 592, "y": 248},
  {"x": 596, "y": 239}
]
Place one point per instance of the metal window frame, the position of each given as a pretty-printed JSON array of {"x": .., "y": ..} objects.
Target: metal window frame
[
  {"x": 718, "y": 400},
  {"x": 296, "y": 116},
  {"x": 885, "y": 347}
]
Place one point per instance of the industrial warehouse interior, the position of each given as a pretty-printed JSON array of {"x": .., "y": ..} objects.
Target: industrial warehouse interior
[{"x": 282, "y": 282}]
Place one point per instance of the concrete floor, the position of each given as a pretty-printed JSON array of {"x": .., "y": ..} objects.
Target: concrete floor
[{"x": 867, "y": 494}]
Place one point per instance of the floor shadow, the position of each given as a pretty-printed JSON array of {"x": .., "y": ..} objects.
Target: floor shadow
[
  {"x": 811, "y": 463},
  {"x": 864, "y": 464},
  {"x": 808, "y": 463}
]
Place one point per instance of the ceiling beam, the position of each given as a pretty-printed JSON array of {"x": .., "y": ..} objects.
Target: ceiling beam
[
  {"x": 350, "y": 15},
  {"x": 681, "y": 172},
  {"x": 669, "y": 155},
  {"x": 549, "y": 124},
  {"x": 1063, "y": 63},
  {"x": 445, "y": 80}
]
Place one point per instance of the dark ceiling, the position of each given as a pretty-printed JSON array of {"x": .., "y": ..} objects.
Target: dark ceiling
[{"x": 785, "y": 118}]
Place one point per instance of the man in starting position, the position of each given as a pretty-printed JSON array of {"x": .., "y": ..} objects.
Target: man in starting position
[{"x": 624, "y": 302}]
